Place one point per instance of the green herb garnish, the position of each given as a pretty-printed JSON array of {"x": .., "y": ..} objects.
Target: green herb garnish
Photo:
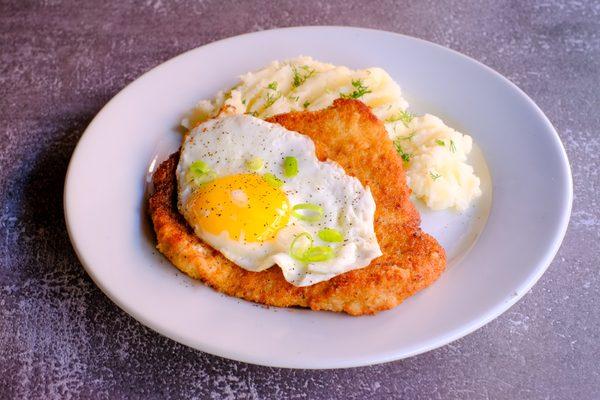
[
  {"x": 408, "y": 137},
  {"x": 317, "y": 254},
  {"x": 290, "y": 167},
  {"x": 434, "y": 175},
  {"x": 200, "y": 172},
  {"x": 330, "y": 235},
  {"x": 255, "y": 164},
  {"x": 403, "y": 116},
  {"x": 440, "y": 142},
  {"x": 302, "y": 249},
  {"x": 306, "y": 104},
  {"x": 308, "y": 212},
  {"x": 404, "y": 155},
  {"x": 452, "y": 146},
  {"x": 199, "y": 167},
  {"x": 271, "y": 99},
  {"x": 301, "y": 243},
  {"x": 273, "y": 180},
  {"x": 359, "y": 90},
  {"x": 272, "y": 85},
  {"x": 301, "y": 74}
]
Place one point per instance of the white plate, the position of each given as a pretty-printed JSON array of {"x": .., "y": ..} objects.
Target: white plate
[{"x": 491, "y": 265}]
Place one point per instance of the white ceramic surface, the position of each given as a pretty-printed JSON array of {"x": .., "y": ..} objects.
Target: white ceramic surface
[{"x": 497, "y": 250}]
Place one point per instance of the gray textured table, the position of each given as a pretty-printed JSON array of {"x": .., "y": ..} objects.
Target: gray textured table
[{"x": 60, "y": 336}]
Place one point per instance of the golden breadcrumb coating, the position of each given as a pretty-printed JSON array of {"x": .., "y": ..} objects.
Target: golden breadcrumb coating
[{"x": 348, "y": 133}]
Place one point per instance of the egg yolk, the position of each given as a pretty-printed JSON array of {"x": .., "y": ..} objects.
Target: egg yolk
[{"x": 244, "y": 205}]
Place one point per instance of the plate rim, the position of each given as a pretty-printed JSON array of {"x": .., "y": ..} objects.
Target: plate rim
[{"x": 391, "y": 355}]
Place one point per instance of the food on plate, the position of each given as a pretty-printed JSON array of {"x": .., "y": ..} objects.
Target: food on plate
[
  {"x": 350, "y": 135},
  {"x": 302, "y": 84},
  {"x": 437, "y": 162},
  {"x": 256, "y": 192},
  {"x": 440, "y": 176}
]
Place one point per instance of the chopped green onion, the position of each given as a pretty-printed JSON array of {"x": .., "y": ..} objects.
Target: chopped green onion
[
  {"x": 302, "y": 249},
  {"x": 330, "y": 235},
  {"x": 200, "y": 172},
  {"x": 440, "y": 142},
  {"x": 199, "y": 179},
  {"x": 299, "y": 245},
  {"x": 199, "y": 167},
  {"x": 255, "y": 164},
  {"x": 313, "y": 212},
  {"x": 318, "y": 253},
  {"x": 290, "y": 167},
  {"x": 273, "y": 180}
]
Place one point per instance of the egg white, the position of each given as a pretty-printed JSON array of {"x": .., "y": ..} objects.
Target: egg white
[{"x": 227, "y": 143}]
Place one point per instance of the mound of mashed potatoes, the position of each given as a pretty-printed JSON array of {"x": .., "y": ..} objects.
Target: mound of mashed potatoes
[
  {"x": 436, "y": 159},
  {"x": 435, "y": 155}
]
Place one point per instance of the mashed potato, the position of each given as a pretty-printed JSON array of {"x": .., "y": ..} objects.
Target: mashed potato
[
  {"x": 435, "y": 155},
  {"x": 302, "y": 84}
]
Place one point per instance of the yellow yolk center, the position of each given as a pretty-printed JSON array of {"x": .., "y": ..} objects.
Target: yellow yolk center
[{"x": 245, "y": 206}]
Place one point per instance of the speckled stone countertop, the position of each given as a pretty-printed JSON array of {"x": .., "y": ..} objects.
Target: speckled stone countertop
[{"x": 61, "y": 337}]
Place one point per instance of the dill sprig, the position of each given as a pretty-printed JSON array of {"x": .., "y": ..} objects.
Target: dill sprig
[
  {"x": 407, "y": 137},
  {"x": 404, "y": 155},
  {"x": 271, "y": 99},
  {"x": 434, "y": 175},
  {"x": 359, "y": 90},
  {"x": 452, "y": 146},
  {"x": 403, "y": 116},
  {"x": 301, "y": 74}
]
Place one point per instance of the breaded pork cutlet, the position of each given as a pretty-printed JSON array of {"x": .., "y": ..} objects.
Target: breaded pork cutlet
[{"x": 348, "y": 133}]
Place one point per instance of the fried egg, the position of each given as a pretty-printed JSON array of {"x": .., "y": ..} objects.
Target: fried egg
[{"x": 257, "y": 193}]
